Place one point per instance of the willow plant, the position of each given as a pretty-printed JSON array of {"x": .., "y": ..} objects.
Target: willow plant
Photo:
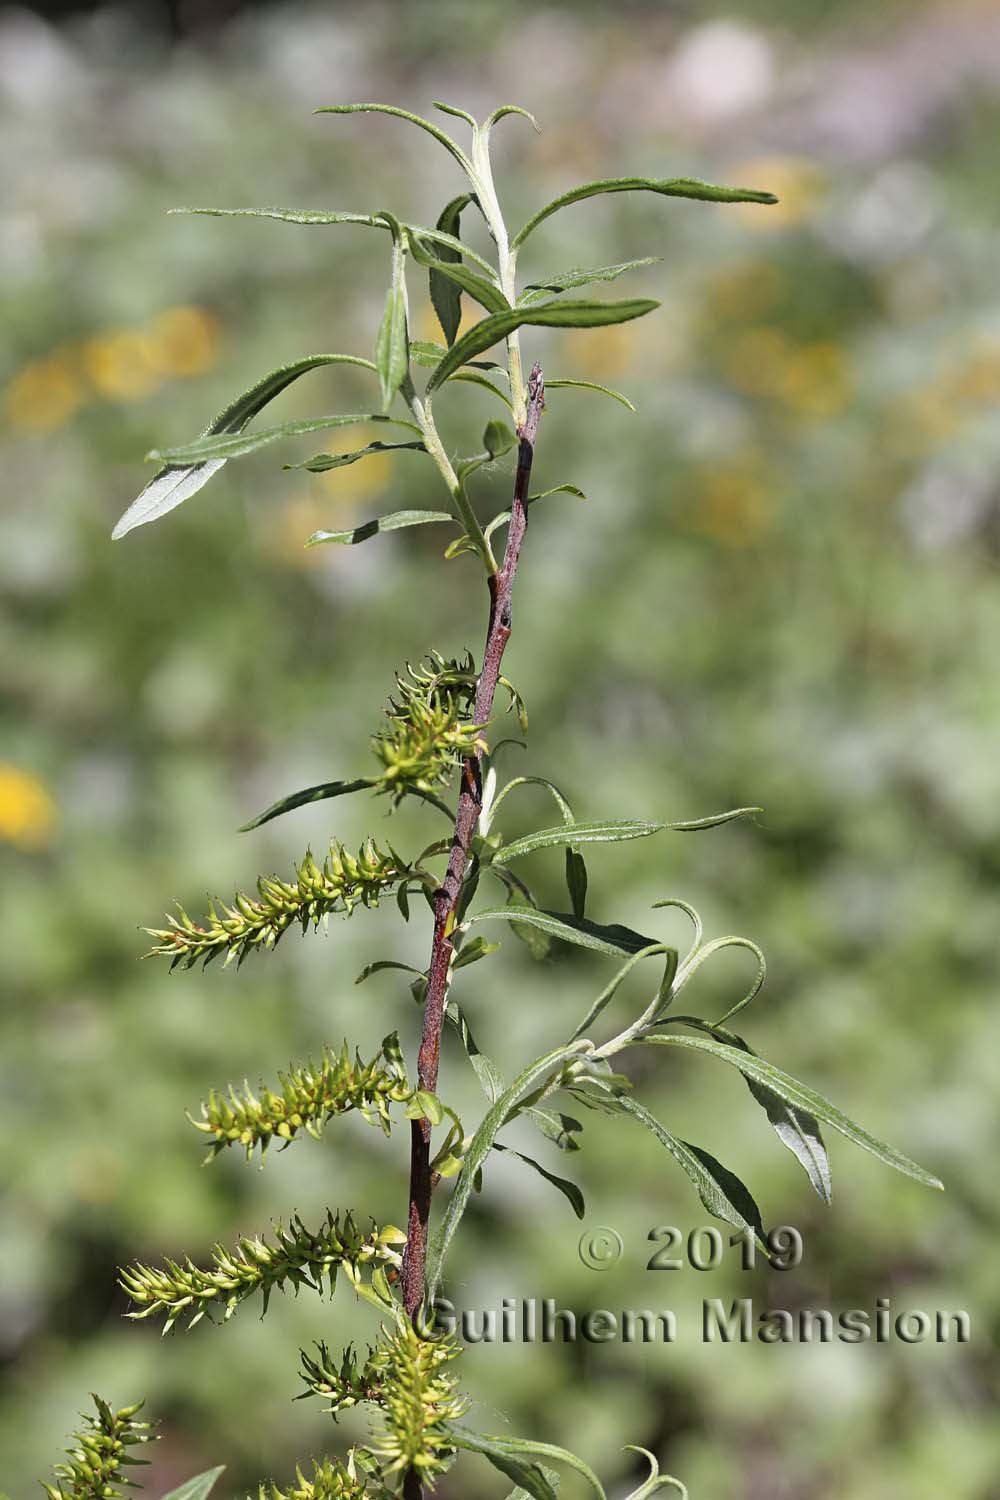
[{"x": 439, "y": 743}]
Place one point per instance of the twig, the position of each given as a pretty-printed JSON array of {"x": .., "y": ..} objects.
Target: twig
[{"x": 446, "y": 898}]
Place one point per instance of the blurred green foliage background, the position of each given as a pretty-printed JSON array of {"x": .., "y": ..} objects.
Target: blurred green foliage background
[{"x": 782, "y": 589}]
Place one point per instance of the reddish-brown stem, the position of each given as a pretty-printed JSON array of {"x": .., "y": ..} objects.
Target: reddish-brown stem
[{"x": 447, "y": 897}]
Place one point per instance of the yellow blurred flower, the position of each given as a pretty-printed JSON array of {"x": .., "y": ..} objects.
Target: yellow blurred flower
[
  {"x": 45, "y": 394},
  {"x": 757, "y": 359},
  {"x": 123, "y": 364},
  {"x": 979, "y": 378},
  {"x": 742, "y": 291},
  {"x": 921, "y": 419},
  {"x": 27, "y": 811},
  {"x": 183, "y": 341},
  {"x": 120, "y": 364},
  {"x": 795, "y": 180},
  {"x": 734, "y": 501},
  {"x": 816, "y": 380},
  {"x": 813, "y": 380}
]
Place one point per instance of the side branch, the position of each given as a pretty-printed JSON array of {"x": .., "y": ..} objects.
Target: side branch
[{"x": 446, "y": 899}]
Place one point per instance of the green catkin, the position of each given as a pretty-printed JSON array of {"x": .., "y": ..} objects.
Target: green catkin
[
  {"x": 307, "y": 1098},
  {"x": 340, "y": 884},
  {"x": 99, "y": 1453}
]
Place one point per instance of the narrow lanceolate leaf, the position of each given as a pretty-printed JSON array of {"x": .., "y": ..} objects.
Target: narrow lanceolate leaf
[
  {"x": 182, "y": 479},
  {"x": 446, "y": 295},
  {"x": 520, "y": 1450},
  {"x": 576, "y": 883},
  {"x": 568, "y": 1189},
  {"x": 795, "y": 1128},
  {"x": 802, "y": 1098},
  {"x": 479, "y": 1148},
  {"x": 721, "y": 1191},
  {"x": 714, "y": 820},
  {"x": 320, "y": 793},
  {"x": 394, "y": 522},
  {"x": 391, "y": 352},
  {"x": 530, "y": 1479},
  {"x": 672, "y": 187},
  {"x": 490, "y": 1078},
  {"x": 613, "y": 940},
  {"x": 612, "y": 831},
  {"x": 321, "y": 462},
  {"x": 591, "y": 385},
  {"x": 564, "y": 281},
  {"x": 287, "y": 215},
  {"x": 198, "y": 1488},
  {"x": 403, "y": 114},
  {"x": 239, "y": 444},
  {"x": 320, "y": 216},
  {"x": 446, "y": 268},
  {"x": 571, "y": 314}
]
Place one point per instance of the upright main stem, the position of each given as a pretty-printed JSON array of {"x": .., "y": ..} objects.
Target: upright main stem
[{"x": 447, "y": 897}]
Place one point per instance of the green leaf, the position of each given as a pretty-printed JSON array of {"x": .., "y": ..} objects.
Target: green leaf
[
  {"x": 555, "y": 1126},
  {"x": 392, "y": 359},
  {"x": 558, "y": 489},
  {"x": 320, "y": 462},
  {"x": 453, "y": 109},
  {"x": 179, "y": 481},
  {"x": 604, "y": 999},
  {"x": 394, "y": 522},
  {"x": 238, "y": 444},
  {"x": 802, "y": 1098},
  {"x": 198, "y": 1488},
  {"x": 611, "y": 831},
  {"x": 571, "y": 314},
  {"x": 576, "y": 883},
  {"x": 504, "y": 110},
  {"x": 324, "y": 216},
  {"x": 425, "y": 1106},
  {"x": 319, "y": 793},
  {"x": 287, "y": 215},
  {"x": 614, "y": 940},
  {"x": 673, "y": 187},
  {"x": 568, "y": 1189},
  {"x": 474, "y": 378},
  {"x": 795, "y": 1128},
  {"x": 518, "y": 781},
  {"x": 473, "y": 951},
  {"x": 446, "y": 297},
  {"x": 517, "y": 1448},
  {"x": 654, "y": 1481},
  {"x": 447, "y": 271},
  {"x": 490, "y": 1078},
  {"x": 721, "y": 1191},
  {"x": 386, "y": 963},
  {"x": 498, "y": 438},
  {"x": 530, "y": 1479},
  {"x": 479, "y": 1148},
  {"x": 564, "y": 281},
  {"x": 591, "y": 385},
  {"x": 692, "y": 825},
  {"x": 403, "y": 114}
]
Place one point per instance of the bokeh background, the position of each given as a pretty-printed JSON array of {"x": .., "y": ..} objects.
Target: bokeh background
[{"x": 782, "y": 589}]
